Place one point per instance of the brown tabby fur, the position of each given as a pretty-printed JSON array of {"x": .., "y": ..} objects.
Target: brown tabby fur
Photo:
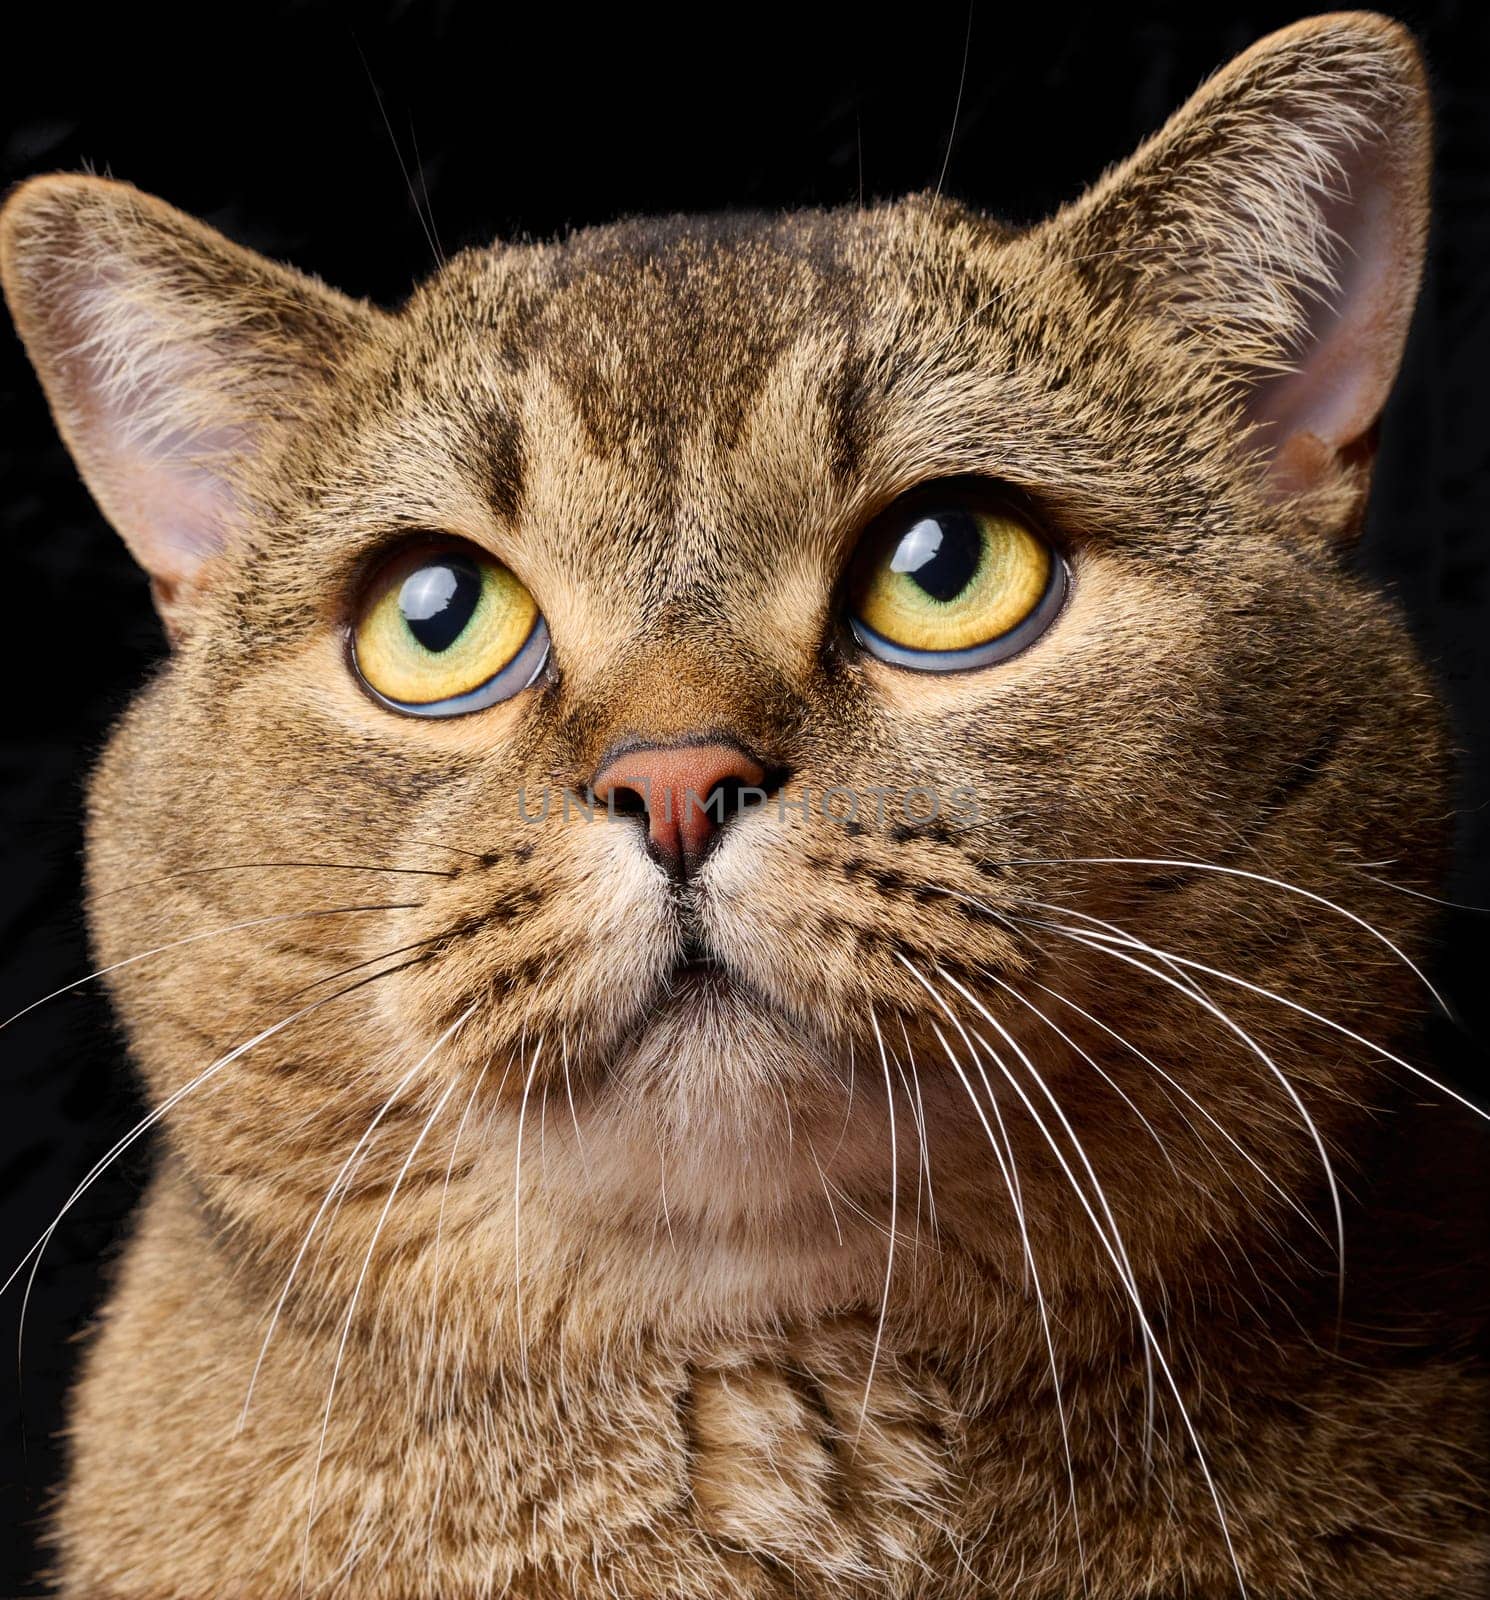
[{"x": 663, "y": 1375}]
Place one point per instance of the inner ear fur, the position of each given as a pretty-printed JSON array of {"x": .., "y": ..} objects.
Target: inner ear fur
[
  {"x": 1276, "y": 226},
  {"x": 169, "y": 356}
]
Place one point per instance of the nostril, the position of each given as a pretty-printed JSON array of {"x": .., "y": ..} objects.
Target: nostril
[
  {"x": 627, "y": 802},
  {"x": 727, "y": 799},
  {"x": 732, "y": 797}
]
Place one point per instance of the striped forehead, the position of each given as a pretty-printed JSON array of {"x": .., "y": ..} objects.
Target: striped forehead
[{"x": 664, "y": 334}]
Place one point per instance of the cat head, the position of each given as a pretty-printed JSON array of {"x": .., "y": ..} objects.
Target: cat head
[{"x": 986, "y": 586}]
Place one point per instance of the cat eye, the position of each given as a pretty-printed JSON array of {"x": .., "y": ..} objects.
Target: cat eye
[
  {"x": 444, "y": 629},
  {"x": 947, "y": 584}
]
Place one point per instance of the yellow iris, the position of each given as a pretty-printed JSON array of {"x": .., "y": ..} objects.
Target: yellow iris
[
  {"x": 438, "y": 624},
  {"x": 951, "y": 580}
]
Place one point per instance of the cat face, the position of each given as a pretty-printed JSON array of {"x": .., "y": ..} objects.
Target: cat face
[{"x": 658, "y": 497}]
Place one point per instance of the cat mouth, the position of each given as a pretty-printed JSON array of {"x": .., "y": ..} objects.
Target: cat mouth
[
  {"x": 701, "y": 1013},
  {"x": 698, "y": 974},
  {"x": 700, "y": 983}
]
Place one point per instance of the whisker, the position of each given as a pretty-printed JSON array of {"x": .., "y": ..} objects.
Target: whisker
[
  {"x": 336, "y": 1187},
  {"x": 543, "y": 1132},
  {"x": 1032, "y": 1272},
  {"x": 38, "y": 1249},
  {"x": 434, "y": 1293},
  {"x": 848, "y": 1104},
  {"x": 1180, "y": 863},
  {"x": 1096, "y": 1067},
  {"x": 196, "y": 938},
  {"x": 431, "y": 238},
  {"x": 1186, "y": 988},
  {"x": 265, "y": 866},
  {"x": 517, "y": 1213},
  {"x": 1013, "y": 923},
  {"x": 827, "y": 1191},
  {"x": 579, "y": 1138},
  {"x": 1070, "y": 1132},
  {"x": 967, "y": 50},
  {"x": 1328, "y": 1022},
  {"x": 1180, "y": 1089},
  {"x": 791, "y": 1128},
  {"x": 930, "y": 223},
  {"x": 918, "y": 1112},
  {"x": 424, "y": 190},
  {"x": 1011, "y": 1173},
  {"x": 166, "y": 1106},
  {"x": 1099, "y": 942},
  {"x": 879, "y": 1332},
  {"x": 662, "y": 1200},
  {"x": 1116, "y": 1258},
  {"x": 439, "y": 844},
  {"x": 357, "y": 966},
  {"x": 346, "y": 1329},
  {"x": 1417, "y": 894},
  {"x": 1282, "y": 1000}
]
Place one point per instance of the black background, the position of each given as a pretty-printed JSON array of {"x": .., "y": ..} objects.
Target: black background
[{"x": 286, "y": 125}]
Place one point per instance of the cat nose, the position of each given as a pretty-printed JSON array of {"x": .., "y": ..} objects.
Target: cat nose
[{"x": 685, "y": 792}]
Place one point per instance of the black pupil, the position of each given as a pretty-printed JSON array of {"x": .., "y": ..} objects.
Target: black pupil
[
  {"x": 438, "y": 599},
  {"x": 941, "y": 552}
]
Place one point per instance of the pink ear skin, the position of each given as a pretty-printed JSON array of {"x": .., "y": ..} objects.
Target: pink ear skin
[
  {"x": 169, "y": 357},
  {"x": 1323, "y": 414},
  {"x": 175, "y": 514}
]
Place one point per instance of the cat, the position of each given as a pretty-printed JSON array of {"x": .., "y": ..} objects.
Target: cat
[{"x": 751, "y": 902}]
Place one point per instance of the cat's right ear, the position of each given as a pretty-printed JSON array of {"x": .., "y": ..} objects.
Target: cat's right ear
[{"x": 171, "y": 358}]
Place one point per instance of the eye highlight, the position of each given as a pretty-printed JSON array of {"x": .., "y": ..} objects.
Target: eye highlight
[
  {"x": 947, "y": 584},
  {"x": 443, "y": 629}
]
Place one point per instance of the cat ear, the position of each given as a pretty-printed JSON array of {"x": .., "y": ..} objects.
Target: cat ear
[
  {"x": 1277, "y": 224},
  {"x": 170, "y": 358}
]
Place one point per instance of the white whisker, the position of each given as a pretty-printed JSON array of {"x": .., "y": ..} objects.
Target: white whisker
[
  {"x": 517, "y": 1214},
  {"x": 426, "y": 1364},
  {"x": 1099, "y": 941},
  {"x": 827, "y": 1192},
  {"x": 346, "y": 1328},
  {"x": 1013, "y": 923},
  {"x": 1327, "y": 1022},
  {"x": 579, "y": 1138},
  {"x": 1096, "y": 1066},
  {"x": 1116, "y": 1257},
  {"x": 1180, "y": 1089},
  {"x": 918, "y": 1111},
  {"x": 848, "y": 1104},
  {"x": 38, "y": 1249},
  {"x": 1032, "y": 1271},
  {"x": 879, "y": 1332},
  {"x": 1070, "y": 1132},
  {"x": 196, "y": 938},
  {"x": 1180, "y": 864},
  {"x": 335, "y": 1189},
  {"x": 1011, "y": 1172}
]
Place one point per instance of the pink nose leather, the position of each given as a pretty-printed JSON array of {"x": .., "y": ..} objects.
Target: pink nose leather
[{"x": 676, "y": 786}]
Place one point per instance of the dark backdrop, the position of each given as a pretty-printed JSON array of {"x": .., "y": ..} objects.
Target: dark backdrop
[{"x": 307, "y": 131}]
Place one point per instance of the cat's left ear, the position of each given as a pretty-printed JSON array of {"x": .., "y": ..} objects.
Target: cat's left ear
[
  {"x": 1277, "y": 226},
  {"x": 172, "y": 360}
]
